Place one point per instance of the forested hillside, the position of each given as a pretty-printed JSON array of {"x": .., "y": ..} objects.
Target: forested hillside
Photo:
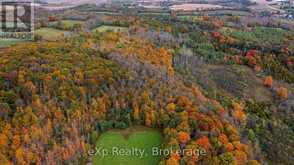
[{"x": 202, "y": 81}]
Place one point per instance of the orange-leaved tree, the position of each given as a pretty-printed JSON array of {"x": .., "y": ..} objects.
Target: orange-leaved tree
[
  {"x": 204, "y": 142},
  {"x": 183, "y": 137},
  {"x": 268, "y": 81}
]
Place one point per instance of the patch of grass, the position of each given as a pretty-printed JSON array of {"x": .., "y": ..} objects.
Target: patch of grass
[
  {"x": 260, "y": 35},
  {"x": 105, "y": 28},
  {"x": 143, "y": 140},
  {"x": 50, "y": 34}
]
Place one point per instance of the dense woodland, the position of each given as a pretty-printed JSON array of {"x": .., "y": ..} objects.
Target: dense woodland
[{"x": 217, "y": 83}]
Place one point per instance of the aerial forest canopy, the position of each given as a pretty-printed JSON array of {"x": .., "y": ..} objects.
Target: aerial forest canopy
[{"x": 198, "y": 80}]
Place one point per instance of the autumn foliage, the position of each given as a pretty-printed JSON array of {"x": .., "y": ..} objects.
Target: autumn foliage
[
  {"x": 223, "y": 139},
  {"x": 282, "y": 92},
  {"x": 204, "y": 142},
  {"x": 57, "y": 97},
  {"x": 52, "y": 18},
  {"x": 171, "y": 107},
  {"x": 173, "y": 160},
  {"x": 268, "y": 81},
  {"x": 183, "y": 137},
  {"x": 229, "y": 147},
  {"x": 238, "y": 112}
]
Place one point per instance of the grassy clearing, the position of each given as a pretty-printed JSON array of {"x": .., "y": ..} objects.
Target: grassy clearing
[
  {"x": 50, "y": 34},
  {"x": 105, "y": 28},
  {"x": 258, "y": 35},
  {"x": 143, "y": 139}
]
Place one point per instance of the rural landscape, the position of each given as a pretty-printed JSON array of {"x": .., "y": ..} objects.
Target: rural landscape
[{"x": 149, "y": 82}]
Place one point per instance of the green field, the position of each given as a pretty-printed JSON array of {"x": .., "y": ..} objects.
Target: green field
[
  {"x": 9, "y": 42},
  {"x": 105, "y": 28},
  {"x": 50, "y": 34},
  {"x": 68, "y": 24},
  {"x": 126, "y": 140}
]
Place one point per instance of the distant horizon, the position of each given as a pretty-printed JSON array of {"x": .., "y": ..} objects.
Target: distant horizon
[{"x": 77, "y": 2}]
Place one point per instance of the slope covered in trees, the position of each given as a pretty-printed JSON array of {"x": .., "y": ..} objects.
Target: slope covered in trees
[{"x": 56, "y": 98}]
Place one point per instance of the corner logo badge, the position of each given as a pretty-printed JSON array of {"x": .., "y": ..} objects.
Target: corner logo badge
[{"x": 16, "y": 17}]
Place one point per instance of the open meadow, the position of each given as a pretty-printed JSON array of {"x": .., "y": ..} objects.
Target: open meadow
[{"x": 128, "y": 140}]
